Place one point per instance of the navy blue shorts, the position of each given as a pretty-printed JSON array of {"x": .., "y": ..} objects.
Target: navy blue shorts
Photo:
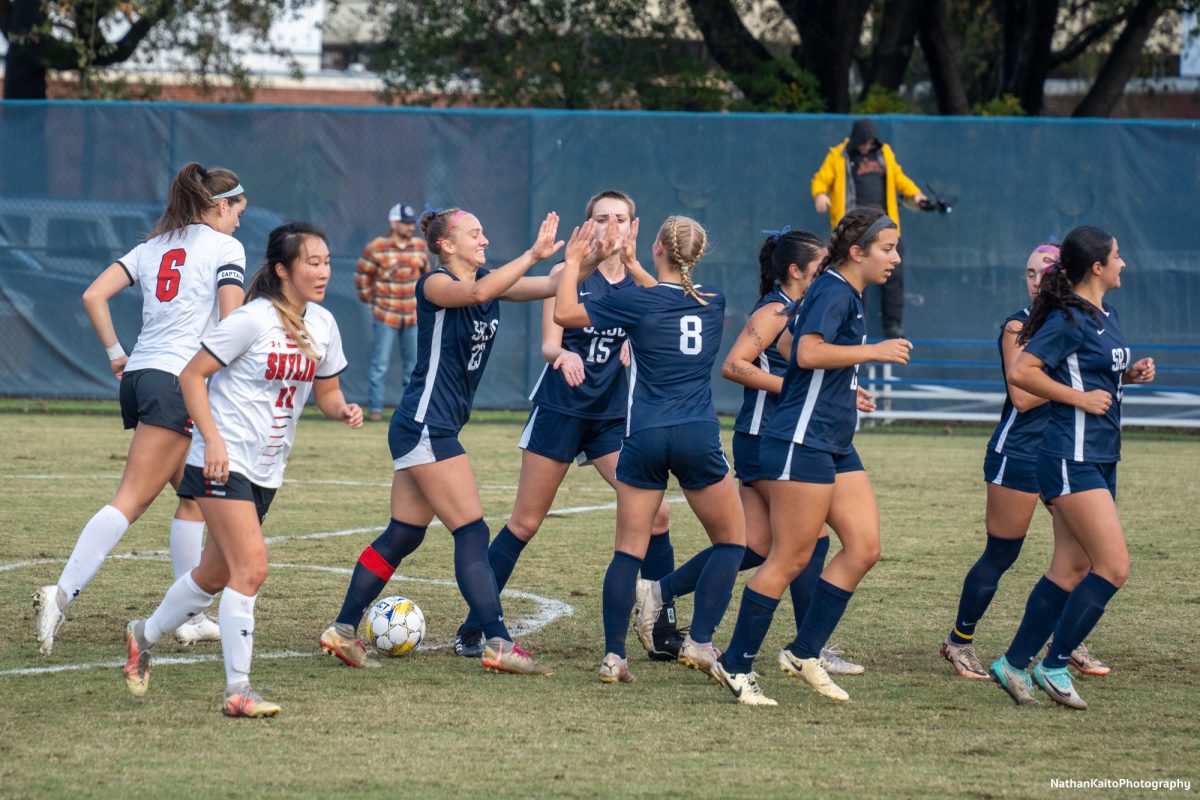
[
  {"x": 745, "y": 457},
  {"x": 236, "y": 487},
  {"x": 691, "y": 452},
  {"x": 1058, "y": 476},
  {"x": 561, "y": 437},
  {"x": 153, "y": 397},
  {"x": 413, "y": 443},
  {"x": 1011, "y": 473},
  {"x": 782, "y": 460}
]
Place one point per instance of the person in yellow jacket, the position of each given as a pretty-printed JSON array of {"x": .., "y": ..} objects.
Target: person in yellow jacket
[{"x": 862, "y": 171}]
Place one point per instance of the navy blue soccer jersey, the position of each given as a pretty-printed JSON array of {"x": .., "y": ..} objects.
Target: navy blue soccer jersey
[
  {"x": 758, "y": 404},
  {"x": 674, "y": 342},
  {"x": 817, "y": 406},
  {"x": 453, "y": 346},
  {"x": 1084, "y": 355},
  {"x": 603, "y": 393},
  {"x": 1019, "y": 434}
]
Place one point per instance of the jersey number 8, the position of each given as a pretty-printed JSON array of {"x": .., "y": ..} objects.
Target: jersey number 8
[
  {"x": 690, "y": 343},
  {"x": 169, "y": 275}
]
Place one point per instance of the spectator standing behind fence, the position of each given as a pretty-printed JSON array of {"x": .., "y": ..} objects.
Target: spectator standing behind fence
[
  {"x": 862, "y": 172},
  {"x": 386, "y": 279}
]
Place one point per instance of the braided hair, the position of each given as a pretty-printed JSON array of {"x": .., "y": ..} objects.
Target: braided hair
[
  {"x": 779, "y": 251},
  {"x": 1081, "y": 248},
  {"x": 846, "y": 234},
  {"x": 684, "y": 240}
]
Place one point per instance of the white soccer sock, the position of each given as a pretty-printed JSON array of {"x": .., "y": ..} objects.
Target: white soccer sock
[
  {"x": 97, "y": 540},
  {"x": 181, "y": 601},
  {"x": 187, "y": 539},
  {"x": 236, "y": 615}
]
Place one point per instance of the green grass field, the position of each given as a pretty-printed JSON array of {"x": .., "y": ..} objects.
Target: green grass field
[{"x": 431, "y": 724}]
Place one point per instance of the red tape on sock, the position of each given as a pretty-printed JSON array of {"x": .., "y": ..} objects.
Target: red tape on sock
[{"x": 371, "y": 559}]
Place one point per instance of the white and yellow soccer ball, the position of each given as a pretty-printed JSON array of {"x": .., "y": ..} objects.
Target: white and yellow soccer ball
[{"x": 395, "y": 625}]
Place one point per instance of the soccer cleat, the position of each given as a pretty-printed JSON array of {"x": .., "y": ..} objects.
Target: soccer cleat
[
  {"x": 646, "y": 608},
  {"x": 962, "y": 657},
  {"x": 1086, "y": 663},
  {"x": 1057, "y": 683},
  {"x": 811, "y": 672},
  {"x": 744, "y": 685},
  {"x": 698, "y": 656},
  {"x": 1015, "y": 681},
  {"x": 200, "y": 628},
  {"x": 469, "y": 644},
  {"x": 248, "y": 703},
  {"x": 352, "y": 652},
  {"x": 834, "y": 664},
  {"x": 48, "y": 616},
  {"x": 501, "y": 655},
  {"x": 614, "y": 669},
  {"x": 666, "y": 635},
  {"x": 137, "y": 666}
]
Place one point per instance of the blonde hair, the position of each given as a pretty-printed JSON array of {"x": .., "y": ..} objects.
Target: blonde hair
[{"x": 684, "y": 240}]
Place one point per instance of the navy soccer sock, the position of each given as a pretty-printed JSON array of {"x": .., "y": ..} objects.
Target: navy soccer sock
[
  {"x": 375, "y": 567},
  {"x": 805, "y": 584},
  {"x": 824, "y": 613},
  {"x": 980, "y": 585},
  {"x": 503, "y": 553},
  {"x": 660, "y": 557},
  {"x": 753, "y": 622},
  {"x": 620, "y": 582},
  {"x": 1083, "y": 610},
  {"x": 683, "y": 580},
  {"x": 1042, "y": 610},
  {"x": 476, "y": 580},
  {"x": 714, "y": 589}
]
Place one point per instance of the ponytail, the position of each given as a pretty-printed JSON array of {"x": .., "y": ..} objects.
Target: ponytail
[
  {"x": 782, "y": 249},
  {"x": 284, "y": 246},
  {"x": 190, "y": 195},
  {"x": 1082, "y": 247}
]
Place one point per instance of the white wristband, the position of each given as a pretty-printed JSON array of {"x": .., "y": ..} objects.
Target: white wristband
[{"x": 115, "y": 352}]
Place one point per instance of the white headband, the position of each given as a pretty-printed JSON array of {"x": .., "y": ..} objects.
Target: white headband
[{"x": 231, "y": 193}]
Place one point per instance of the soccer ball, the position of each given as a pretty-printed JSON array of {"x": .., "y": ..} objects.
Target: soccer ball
[{"x": 395, "y": 625}]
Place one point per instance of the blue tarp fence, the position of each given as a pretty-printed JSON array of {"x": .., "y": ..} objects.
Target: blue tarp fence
[{"x": 80, "y": 182}]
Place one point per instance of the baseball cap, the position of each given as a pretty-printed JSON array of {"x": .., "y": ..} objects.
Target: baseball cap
[{"x": 402, "y": 213}]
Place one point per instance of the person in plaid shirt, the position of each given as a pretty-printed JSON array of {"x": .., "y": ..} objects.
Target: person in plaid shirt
[{"x": 386, "y": 277}]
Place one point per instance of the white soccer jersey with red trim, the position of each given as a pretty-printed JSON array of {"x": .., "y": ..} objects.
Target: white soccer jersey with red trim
[
  {"x": 179, "y": 276},
  {"x": 257, "y": 398}
]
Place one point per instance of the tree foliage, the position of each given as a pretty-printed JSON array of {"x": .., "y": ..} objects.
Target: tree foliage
[
  {"x": 84, "y": 37},
  {"x": 803, "y": 55}
]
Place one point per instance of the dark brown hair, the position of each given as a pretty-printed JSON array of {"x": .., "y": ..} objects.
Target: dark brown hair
[
  {"x": 191, "y": 194},
  {"x": 284, "y": 246}
]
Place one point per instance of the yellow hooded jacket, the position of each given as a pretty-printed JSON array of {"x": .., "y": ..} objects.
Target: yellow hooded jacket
[{"x": 831, "y": 180}]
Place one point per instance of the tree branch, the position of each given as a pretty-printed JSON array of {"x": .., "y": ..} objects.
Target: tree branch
[
  {"x": 829, "y": 34},
  {"x": 731, "y": 44},
  {"x": 893, "y": 49},
  {"x": 1122, "y": 61},
  {"x": 941, "y": 55},
  {"x": 1085, "y": 39}
]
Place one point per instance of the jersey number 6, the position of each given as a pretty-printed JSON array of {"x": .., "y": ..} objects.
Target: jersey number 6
[{"x": 169, "y": 276}]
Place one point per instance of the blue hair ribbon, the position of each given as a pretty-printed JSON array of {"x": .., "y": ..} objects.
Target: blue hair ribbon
[
  {"x": 777, "y": 235},
  {"x": 434, "y": 211}
]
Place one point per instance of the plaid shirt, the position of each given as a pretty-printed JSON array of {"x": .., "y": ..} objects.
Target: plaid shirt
[{"x": 386, "y": 279}]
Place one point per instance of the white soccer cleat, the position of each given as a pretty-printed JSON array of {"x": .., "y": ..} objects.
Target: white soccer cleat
[
  {"x": 811, "y": 672},
  {"x": 835, "y": 664},
  {"x": 48, "y": 616},
  {"x": 646, "y": 607},
  {"x": 743, "y": 685},
  {"x": 200, "y": 628}
]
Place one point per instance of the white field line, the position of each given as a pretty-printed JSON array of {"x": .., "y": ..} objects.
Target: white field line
[{"x": 548, "y": 609}]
